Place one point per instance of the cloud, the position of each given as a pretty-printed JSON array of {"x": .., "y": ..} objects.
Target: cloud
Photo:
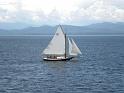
[
  {"x": 61, "y": 11},
  {"x": 102, "y": 10}
]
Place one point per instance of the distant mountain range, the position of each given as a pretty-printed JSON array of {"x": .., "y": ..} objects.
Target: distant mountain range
[
  {"x": 105, "y": 28},
  {"x": 8, "y": 26}
]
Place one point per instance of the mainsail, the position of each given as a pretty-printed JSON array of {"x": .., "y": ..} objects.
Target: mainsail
[
  {"x": 57, "y": 44},
  {"x": 73, "y": 49}
]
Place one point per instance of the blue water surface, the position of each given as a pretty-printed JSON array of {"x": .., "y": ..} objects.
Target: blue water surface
[{"x": 100, "y": 68}]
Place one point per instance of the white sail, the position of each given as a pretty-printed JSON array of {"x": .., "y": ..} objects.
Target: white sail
[
  {"x": 57, "y": 44},
  {"x": 70, "y": 47},
  {"x": 74, "y": 50}
]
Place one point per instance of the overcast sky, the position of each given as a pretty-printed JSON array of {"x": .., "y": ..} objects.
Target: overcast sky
[{"x": 53, "y": 12}]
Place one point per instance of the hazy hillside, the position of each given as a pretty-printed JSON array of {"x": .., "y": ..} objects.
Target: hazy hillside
[
  {"x": 8, "y": 26},
  {"x": 94, "y": 29}
]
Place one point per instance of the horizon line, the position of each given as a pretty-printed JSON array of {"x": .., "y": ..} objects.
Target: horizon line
[{"x": 67, "y": 35}]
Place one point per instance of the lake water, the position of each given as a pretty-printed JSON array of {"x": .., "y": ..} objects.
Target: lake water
[{"x": 100, "y": 68}]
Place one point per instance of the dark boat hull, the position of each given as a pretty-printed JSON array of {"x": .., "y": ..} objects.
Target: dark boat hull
[{"x": 64, "y": 59}]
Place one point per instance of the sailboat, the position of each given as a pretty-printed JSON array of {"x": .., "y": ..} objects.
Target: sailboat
[{"x": 61, "y": 47}]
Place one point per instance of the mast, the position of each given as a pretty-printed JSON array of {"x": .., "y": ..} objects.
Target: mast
[
  {"x": 65, "y": 39},
  {"x": 65, "y": 45}
]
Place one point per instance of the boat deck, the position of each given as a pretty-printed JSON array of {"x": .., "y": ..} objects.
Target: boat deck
[{"x": 63, "y": 59}]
